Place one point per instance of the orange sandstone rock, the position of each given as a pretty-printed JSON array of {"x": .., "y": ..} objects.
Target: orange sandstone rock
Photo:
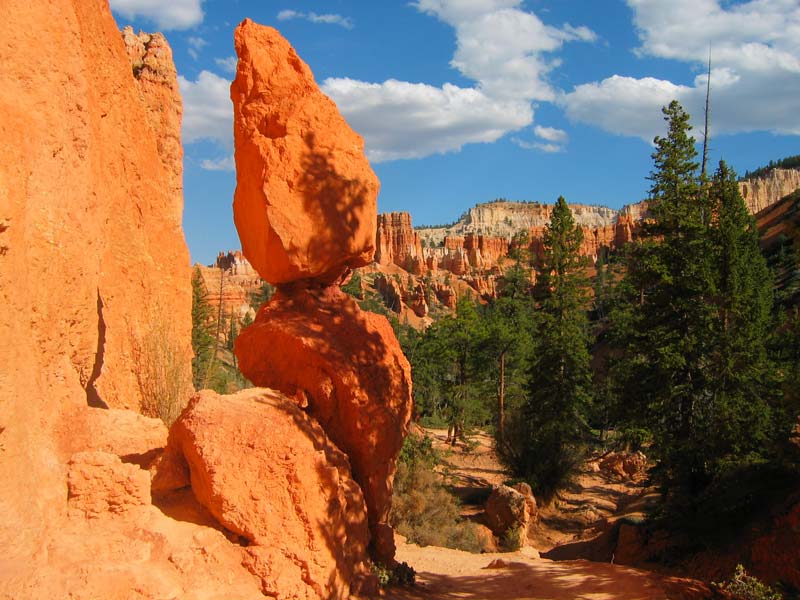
[
  {"x": 269, "y": 473},
  {"x": 305, "y": 201},
  {"x": 88, "y": 211},
  {"x": 347, "y": 366}
]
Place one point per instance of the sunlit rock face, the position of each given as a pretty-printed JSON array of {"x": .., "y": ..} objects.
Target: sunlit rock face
[
  {"x": 305, "y": 201},
  {"x": 305, "y": 209}
]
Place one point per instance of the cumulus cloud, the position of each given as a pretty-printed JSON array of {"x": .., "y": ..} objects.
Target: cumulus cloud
[
  {"x": 225, "y": 163},
  {"x": 326, "y": 19},
  {"x": 508, "y": 52},
  {"x": 207, "y": 109},
  {"x": 170, "y": 14},
  {"x": 755, "y": 80},
  {"x": 544, "y": 147},
  {"x": 227, "y": 64},
  {"x": 551, "y": 134},
  {"x": 411, "y": 120},
  {"x": 550, "y": 140}
]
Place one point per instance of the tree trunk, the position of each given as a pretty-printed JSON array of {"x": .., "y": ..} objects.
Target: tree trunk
[{"x": 501, "y": 398}]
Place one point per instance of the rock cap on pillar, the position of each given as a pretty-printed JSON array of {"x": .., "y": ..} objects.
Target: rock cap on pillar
[{"x": 305, "y": 201}]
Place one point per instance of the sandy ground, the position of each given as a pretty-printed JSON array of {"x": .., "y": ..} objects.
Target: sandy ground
[
  {"x": 581, "y": 511},
  {"x": 445, "y": 574}
]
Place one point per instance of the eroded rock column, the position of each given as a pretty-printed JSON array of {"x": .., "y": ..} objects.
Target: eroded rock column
[{"x": 305, "y": 209}]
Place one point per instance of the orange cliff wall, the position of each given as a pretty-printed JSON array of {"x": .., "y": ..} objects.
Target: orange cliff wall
[
  {"x": 397, "y": 243},
  {"x": 761, "y": 192},
  {"x": 90, "y": 205}
]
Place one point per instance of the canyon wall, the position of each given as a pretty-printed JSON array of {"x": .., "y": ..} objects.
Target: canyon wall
[
  {"x": 90, "y": 205},
  {"x": 761, "y": 192}
]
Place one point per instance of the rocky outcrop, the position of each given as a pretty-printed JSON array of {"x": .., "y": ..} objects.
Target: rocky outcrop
[
  {"x": 630, "y": 466},
  {"x": 88, "y": 210},
  {"x": 235, "y": 263},
  {"x": 511, "y": 511},
  {"x": 289, "y": 493},
  {"x": 346, "y": 368},
  {"x": 304, "y": 204},
  {"x": 761, "y": 192},
  {"x": 305, "y": 209},
  {"x": 397, "y": 243},
  {"x": 505, "y": 219},
  {"x": 155, "y": 75},
  {"x": 99, "y": 483}
]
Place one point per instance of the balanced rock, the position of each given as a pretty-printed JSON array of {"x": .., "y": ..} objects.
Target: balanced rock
[
  {"x": 269, "y": 473},
  {"x": 305, "y": 200},
  {"x": 346, "y": 365}
]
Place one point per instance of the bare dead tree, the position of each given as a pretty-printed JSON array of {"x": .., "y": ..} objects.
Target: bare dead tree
[{"x": 705, "y": 126}]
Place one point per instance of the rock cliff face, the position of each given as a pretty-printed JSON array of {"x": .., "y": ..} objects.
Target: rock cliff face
[
  {"x": 305, "y": 209},
  {"x": 397, "y": 243},
  {"x": 90, "y": 204},
  {"x": 761, "y": 192},
  {"x": 157, "y": 80},
  {"x": 312, "y": 214}
]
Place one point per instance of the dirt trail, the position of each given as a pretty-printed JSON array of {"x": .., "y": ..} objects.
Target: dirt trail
[
  {"x": 579, "y": 512},
  {"x": 443, "y": 573},
  {"x": 586, "y": 508}
]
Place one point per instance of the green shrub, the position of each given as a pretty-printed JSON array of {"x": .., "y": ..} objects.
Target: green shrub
[
  {"x": 746, "y": 587},
  {"x": 512, "y": 539},
  {"x": 422, "y": 509}
]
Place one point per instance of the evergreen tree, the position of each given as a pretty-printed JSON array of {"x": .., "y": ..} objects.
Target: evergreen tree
[
  {"x": 448, "y": 370},
  {"x": 693, "y": 319},
  {"x": 202, "y": 337},
  {"x": 546, "y": 436},
  {"x": 739, "y": 418}
]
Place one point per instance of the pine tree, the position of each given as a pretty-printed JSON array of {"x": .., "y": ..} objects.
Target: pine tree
[
  {"x": 546, "y": 436},
  {"x": 694, "y": 318},
  {"x": 202, "y": 339},
  {"x": 741, "y": 417},
  {"x": 670, "y": 285}
]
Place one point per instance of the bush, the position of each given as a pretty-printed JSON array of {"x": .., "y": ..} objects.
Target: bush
[
  {"x": 746, "y": 587},
  {"x": 512, "y": 539},
  {"x": 422, "y": 509},
  {"x": 163, "y": 370},
  {"x": 401, "y": 575}
]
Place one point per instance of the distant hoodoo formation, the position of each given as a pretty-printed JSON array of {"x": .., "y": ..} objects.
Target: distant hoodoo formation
[{"x": 305, "y": 210}]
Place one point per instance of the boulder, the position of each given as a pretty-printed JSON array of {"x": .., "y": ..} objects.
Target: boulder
[
  {"x": 508, "y": 509},
  {"x": 625, "y": 465},
  {"x": 346, "y": 365},
  {"x": 133, "y": 437},
  {"x": 100, "y": 483},
  {"x": 305, "y": 200},
  {"x": 269, "y": 474}
]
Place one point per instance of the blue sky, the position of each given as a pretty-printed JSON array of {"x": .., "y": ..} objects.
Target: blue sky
[{"x": 464, "y": 101}]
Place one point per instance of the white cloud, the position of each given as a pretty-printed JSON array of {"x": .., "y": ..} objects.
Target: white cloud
[
  {"x": 227, "y": 64},
  {"x": 755, "y": 80},
  {"x": 166, "y": 14},
  {"x": 196, "y": 42},
  {"x": 554, "y": 140},
  {"x": 624, "y": 105},
  {"x": 551, "y": 134},
  {"x": 327, "y": 19},
  {"x": 411, "y": 120},
  {"x": 507, "y": 52},
  {"x": 225, "y": 163},
  {"x": 550, "y": 148},
  {"x": 207, "y": 109}
]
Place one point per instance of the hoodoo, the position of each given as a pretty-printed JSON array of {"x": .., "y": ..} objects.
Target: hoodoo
[{"x": 305, "y": 209}]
